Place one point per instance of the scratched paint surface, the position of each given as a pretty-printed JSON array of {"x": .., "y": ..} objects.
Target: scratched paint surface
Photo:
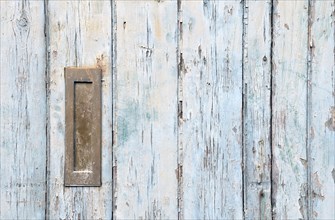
[
  {"x": 211, "y": 121},
  {"x": 257, "y": 109},
  {"x": 79, "y": 35},
  {"x": 321, "y": 109},
  {"x": 22, "y": 111},
  {"x": 145, "y": 151},
  {"x": 210, "y": 109},
  {"x": 290, "y": 52}
]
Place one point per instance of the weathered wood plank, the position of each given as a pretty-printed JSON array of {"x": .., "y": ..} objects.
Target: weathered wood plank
[
  {"x": 22, "y": 110},
  {"x": 146, "y": 110},
  {"x": 289, "y": 172},
  {"x": 80, "y": 35},
  {"x": 322, "y": 110},
  {"x": 211, "y": 114},
  {"x": 257, "y": 109}
]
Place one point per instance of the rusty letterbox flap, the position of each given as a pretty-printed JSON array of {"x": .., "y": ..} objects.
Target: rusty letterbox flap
[{"x": 83, "y": 127}]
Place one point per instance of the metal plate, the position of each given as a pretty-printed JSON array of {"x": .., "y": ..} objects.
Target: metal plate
[{"x": 83, "y": 127}]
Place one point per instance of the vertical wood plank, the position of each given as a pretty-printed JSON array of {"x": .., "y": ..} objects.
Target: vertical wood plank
[
  {"x": 80, "y": 35},
  {"x": 257, "y": 109},
  {"x": 322, "y": 110},
  {"x": 22, "y": 110},
  {"x": 146, "y": 110},
  {"x": 211, "y": 114},
  {"x": 289, "y": 172}
]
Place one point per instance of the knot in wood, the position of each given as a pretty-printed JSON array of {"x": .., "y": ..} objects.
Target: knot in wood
[{"x": 23, "y": 22}]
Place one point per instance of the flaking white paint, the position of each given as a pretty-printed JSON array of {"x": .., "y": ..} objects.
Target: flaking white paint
[{"x": 210, "y": 109}]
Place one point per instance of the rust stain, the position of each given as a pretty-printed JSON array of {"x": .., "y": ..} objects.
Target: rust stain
[
  {"x": 303, "y": 162},
  {"x": 312, "y": 133},
  {"x": 101, "y": 63},
  {"x": 79, "y": 145},
  {"x": 286, "y": 26},
  {"x": 158, "y": 31},
  {"x": 317, "y": 187},
  {"x": 330, "y": 123},
  {"x": 54, "y": 54},
  {"x": 179, "y": 173}
]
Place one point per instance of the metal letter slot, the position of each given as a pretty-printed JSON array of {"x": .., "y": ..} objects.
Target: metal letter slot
[{"x": 83, "y": 127}]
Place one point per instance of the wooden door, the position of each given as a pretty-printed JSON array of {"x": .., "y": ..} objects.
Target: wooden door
[{"x": 209, "y": 109}]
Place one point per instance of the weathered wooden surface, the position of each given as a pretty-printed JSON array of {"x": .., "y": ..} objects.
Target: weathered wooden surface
[
  {"x": 321, "y": 107},
  {"x": 210, "y": 109},
  {"x": 289, "y": 96},
  {"x": 257, "y": 109},
  {"x": 210, "y": 119},
  {"x": 22, "y": 110},
  {"x": 145, "y": 152},
  {"x": 79, "y": 35}
]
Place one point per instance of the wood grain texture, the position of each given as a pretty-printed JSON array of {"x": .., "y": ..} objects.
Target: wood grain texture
[
  {"x": 211, "y": 115},
  {"x": 213, "y": 109},
  {"x": 22, "y": 111},
  {"x": 80, "y": 35},
  {"x": 257, "y": 109},
  {"x": 290, "y": 51},
  {"x": 145, "y": 152},
  {"x": 322, "y": 110}
]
